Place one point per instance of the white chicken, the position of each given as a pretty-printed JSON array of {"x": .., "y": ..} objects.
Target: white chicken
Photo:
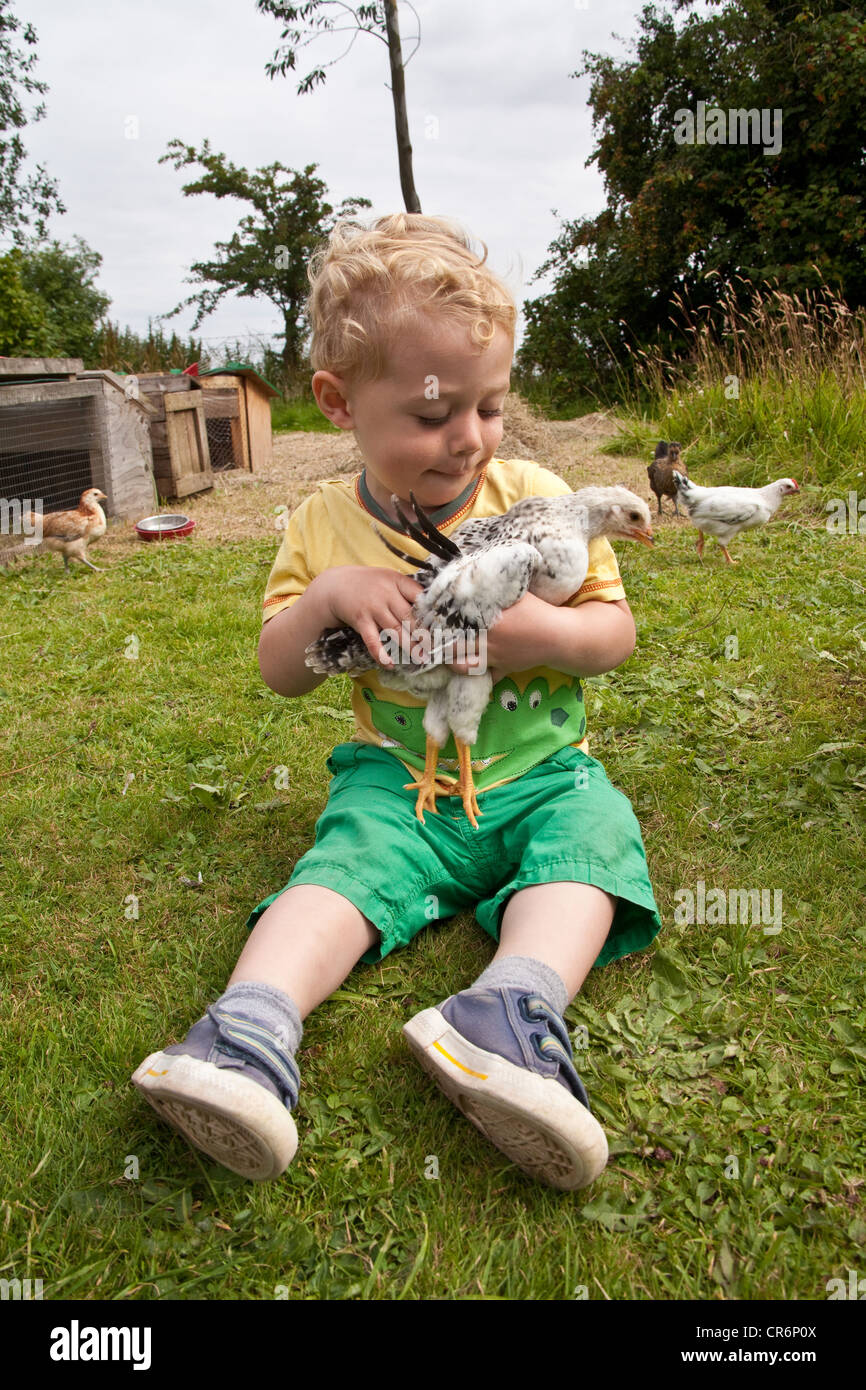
[
  {"x": 539, "y": 546},
  {"x": 725, "y": 511}
]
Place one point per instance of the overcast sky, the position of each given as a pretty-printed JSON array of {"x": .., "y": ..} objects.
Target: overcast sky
[{"x": 500, "y": 131}]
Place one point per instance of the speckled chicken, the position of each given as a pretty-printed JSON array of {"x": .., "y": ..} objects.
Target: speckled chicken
[
  {"x": 539, "y": 546},
  {"x": 661, "y": 472},
  {"x": 72, "y": 532}
]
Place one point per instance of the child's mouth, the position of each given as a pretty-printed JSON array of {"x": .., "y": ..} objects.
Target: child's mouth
[{"x": 453, "y": 473}]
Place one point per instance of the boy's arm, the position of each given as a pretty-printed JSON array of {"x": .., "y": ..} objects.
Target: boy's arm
[
  {"x": 367, "y": 598},
  {"x": 594, "y": 637},
  {"x": 285, "y": 637}
]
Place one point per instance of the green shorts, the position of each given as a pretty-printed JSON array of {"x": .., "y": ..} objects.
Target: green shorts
[{"x": 561, "y": 821}]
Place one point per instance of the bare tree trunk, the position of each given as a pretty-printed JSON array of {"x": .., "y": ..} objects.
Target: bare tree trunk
[{"x": 398, "y": 92}]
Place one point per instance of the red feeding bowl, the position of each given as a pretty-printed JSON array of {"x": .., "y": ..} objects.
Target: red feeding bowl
[{"x": 166, "y": 527}]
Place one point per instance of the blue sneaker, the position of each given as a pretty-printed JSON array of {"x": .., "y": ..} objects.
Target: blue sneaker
[
  {"x": 228, "y": 1088},
  {"x": 504, "y": 1058}
]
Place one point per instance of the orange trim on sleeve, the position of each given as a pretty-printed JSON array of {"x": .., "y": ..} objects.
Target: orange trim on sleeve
[
  {"x": 596, "y": 584},
  {"x": 279, "y": 598}
]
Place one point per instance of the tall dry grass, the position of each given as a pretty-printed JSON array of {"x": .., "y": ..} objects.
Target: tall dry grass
[{"x": 772, "y": 384}]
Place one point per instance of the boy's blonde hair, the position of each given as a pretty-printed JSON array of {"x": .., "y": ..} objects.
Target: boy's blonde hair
[{"x": 368, "y": 284}]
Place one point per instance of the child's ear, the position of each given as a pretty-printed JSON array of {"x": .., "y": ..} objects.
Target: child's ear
[{"x": 329, "y": 391}]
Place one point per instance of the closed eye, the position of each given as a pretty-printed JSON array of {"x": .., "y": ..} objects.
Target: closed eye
[{"x": 441, "y": 420}]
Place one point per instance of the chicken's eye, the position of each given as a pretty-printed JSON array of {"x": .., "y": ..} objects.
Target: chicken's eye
[
  {"x": 535, "y": 699},
  {"x": 508, "y": 700}
]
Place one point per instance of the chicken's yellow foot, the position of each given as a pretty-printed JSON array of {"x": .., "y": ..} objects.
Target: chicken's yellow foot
[
  {"x": 428, "y": 784},
  {"x": 466, "y": 785}
]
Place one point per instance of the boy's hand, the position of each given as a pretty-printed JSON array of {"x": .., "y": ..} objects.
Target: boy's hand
[
  {"x": 369, "y": 599},
  {"x": 517, "y": 641},
  {"x": 584, "y": 641}
]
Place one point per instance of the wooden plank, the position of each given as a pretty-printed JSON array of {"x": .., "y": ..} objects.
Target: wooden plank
[
  {"x": 192, "y": 483},
  {"x": 244, "y": 456},
  {"x": 158, "y": 403},
  {"x": 40, "y": 366},
  {"x": 183, "y": 402},
  {"x": 222, "y": 405},
  {"x": 181, "y": 445},
  {"x": 203, "y": 446},
  {"x": 141, "y": 401},
  {"x": 164, "y": 381},
  {"x": 48, "y": 391},
  {"x": 261, "y": 435},
  {"x": 238, "y": 443},
  {"x": 187, "y": 444},
  {"x": 220, "y": 382}
]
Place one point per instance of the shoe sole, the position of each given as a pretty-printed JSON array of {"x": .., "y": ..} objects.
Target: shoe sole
[
  {"x": 228, "y": 1116},
  {"x": 532, "y": 1119}
]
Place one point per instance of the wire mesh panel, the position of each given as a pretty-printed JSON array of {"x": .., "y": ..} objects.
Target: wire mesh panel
[
  {"x": 219, "y": 438},
  {"x": 222, "y": 420},
  {"x": 51, "y": 450}
]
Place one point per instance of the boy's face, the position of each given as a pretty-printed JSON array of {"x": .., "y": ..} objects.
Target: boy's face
[{"x": 434, "y": 421}]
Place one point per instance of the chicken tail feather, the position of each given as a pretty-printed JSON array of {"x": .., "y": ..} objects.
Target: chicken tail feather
[
  {"x": 410, "y": 529},
  {"x": 401, "y": 554},
  {"x": 440, "y": 545}
]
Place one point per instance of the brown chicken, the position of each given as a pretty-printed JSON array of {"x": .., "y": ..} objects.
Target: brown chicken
[
  {"x": 72, "y": 532},
  {"x": 661, "y": 473}
]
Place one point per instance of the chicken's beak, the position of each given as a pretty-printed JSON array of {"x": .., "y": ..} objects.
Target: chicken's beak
[{"x": 643, "y": 534}]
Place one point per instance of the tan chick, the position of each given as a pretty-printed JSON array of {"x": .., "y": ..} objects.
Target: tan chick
[{"x": 73, "y": 531}]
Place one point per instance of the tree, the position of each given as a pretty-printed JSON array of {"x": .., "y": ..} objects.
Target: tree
[
  {"x": 23, "y": 324},
  {"x": 25, "y": 204},
  {"x": 49, "y": 306},
  {"x": 678, "y": 211},
  {"x": 381, "y": 20},
  {"x": 268, "y": 254},
  {"x": 62, "y": 277}
]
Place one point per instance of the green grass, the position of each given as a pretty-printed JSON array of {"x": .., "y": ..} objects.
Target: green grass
[
  {"x": 300, "y": 414},
  {"x": 552, "y": 398},
  {"x": 726, "y": 1065},
  {"x": 774, "y": 386},
  {"x": 815, "y": 433}
]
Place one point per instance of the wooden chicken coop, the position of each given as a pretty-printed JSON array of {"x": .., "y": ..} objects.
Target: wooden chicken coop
[
  {"x": 63, "y": 430},
  {"x": 237, "y": 407},
  {"x": 181, "y": 455},
  {"x": 204, "y": 424}
]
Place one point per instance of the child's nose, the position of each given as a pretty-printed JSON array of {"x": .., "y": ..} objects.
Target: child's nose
[{"x": 466, "y": 438}]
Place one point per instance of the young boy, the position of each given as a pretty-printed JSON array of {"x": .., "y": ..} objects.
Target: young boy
[{"x": 412, "y": 347}]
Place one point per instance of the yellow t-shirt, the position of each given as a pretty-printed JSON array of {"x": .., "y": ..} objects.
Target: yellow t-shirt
[{"x": 531, "y": 714}]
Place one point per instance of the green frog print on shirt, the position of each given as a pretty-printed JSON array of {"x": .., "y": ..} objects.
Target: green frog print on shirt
[{"x": 518, "y": 729}]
